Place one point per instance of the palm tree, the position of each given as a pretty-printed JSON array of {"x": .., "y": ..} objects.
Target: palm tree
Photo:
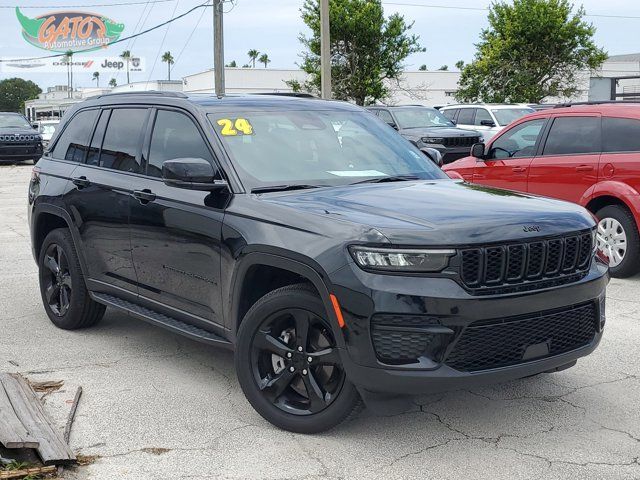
[
  {"x": 126, "y": 56},
  {"x": 68, "y": 58},
  {"x": 96, "y": 77},
  {"x": 264, "y": 58},
  {"x": 253, "y": 56},
  {"x": 167, "y": 57},
  {"x": 113, "y": 83}
]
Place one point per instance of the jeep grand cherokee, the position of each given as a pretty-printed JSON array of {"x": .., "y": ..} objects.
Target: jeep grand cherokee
[
  {"x": 334, "y": 258},
  {"x": 18, "y": 139}
]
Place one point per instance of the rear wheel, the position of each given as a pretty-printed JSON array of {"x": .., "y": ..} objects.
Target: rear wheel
[
  {"x": 64, "y": 294},
  {"x": 288, "y": 364},
  {"x": 618, "y": 237}
]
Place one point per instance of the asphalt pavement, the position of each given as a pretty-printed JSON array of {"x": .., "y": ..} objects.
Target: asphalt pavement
[{"x": 159, "y": 406}]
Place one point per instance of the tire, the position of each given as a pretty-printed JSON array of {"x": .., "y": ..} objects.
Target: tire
[
  {"x": 64, "y": 293},
  {"x": 620, "y": 216},
  {"x": 284, "y": 399}
]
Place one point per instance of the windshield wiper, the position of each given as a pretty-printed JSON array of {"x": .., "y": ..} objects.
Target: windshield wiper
[
  {"x": 392, "y": 178},
  {"x": 283, "y": 188}
]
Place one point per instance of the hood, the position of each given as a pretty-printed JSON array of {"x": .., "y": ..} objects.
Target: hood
[
  {"x": 18, "y": 131},
  {"x": 440, "y": 132},
  {"x": 440, "y": 212}
]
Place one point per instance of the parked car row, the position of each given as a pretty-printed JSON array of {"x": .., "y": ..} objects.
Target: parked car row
[{"x": 586, "y": 154}]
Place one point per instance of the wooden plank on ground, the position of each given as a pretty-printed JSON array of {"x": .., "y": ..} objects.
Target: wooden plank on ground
[
  {"x": 26, "y": 472},
  {"x": 13, "y": 434},
  {"x": 53, "y": 450}
]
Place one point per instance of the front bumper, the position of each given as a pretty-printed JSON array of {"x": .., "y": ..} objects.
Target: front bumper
[
  {"x": 20, "y": 152},
  {"x": 364, "y": 295}
]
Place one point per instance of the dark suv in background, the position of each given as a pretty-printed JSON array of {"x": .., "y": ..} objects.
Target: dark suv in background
[
  {"x": 427, "y": 127},
  {"x": 325, "y": 249},
  {"x": 19, "y": 141}
]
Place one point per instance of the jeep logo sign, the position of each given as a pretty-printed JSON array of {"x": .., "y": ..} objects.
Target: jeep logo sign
[{"x": 64, "y": 31}]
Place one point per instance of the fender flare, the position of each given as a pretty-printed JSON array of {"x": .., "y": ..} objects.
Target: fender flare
[
  {"x": 285, "y": 261},
  {"x": 622, "y": 191}
]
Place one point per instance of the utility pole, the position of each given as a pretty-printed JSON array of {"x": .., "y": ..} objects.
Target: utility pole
[
  {"x": 325, "y": 51},
  {"x": 218, "y": 47}
]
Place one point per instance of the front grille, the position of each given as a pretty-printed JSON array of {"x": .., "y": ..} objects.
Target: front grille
[
  {"x": 13, "y": 139},
  {"x": 501, "y": 343},
  {"x": 487, "y": 270},
  {"x": 460, "y": 141}
]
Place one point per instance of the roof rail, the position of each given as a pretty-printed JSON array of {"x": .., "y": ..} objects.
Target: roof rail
[
  {"x": 156, "y": 93},
  {"x": 287, "y": 94},
  {"x": 595, "y": 102}
]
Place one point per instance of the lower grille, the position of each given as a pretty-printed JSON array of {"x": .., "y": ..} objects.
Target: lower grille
[
  {"x": 501, "y": 343},
  {"x": 459, "y": 141}
]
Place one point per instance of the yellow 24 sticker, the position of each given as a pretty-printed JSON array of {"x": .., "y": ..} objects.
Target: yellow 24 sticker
[{"x": 231, "y": 127}]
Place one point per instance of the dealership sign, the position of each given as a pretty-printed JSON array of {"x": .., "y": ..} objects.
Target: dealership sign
[
  {"x": 88, "y": 64},
  {"x": 64, "y": 31}
]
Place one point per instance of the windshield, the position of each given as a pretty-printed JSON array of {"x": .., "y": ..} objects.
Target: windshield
[
  {"x": 507, "y": 115},
  {"x": 421, "y": 117},
  {"x": 13, "y": 120},
  {"x": 324, "y": 148}
]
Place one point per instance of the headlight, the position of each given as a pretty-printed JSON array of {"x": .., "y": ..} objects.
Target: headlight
[
  {"x": 432, "y": 139},
  {"x": 400, "y": 260}
]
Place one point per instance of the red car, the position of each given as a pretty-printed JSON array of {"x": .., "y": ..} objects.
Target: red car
[{"x": 587, "y": 154}]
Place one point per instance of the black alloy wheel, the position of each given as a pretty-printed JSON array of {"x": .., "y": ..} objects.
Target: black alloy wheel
[
  {"x": 58, "y": 285},
  {"x": 295, "y": 362},
  {"x": 289, "y": 364}
]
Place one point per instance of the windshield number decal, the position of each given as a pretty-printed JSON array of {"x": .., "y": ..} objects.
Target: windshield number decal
[{"x": 235, "y": 127}]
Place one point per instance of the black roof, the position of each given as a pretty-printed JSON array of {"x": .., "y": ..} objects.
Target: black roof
[{"x": 209, "y": 101}]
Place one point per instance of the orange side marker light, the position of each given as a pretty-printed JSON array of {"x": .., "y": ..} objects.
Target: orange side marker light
[{"x": 336, "y": 308}]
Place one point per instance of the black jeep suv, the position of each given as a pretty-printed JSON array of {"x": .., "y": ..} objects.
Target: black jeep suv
[
  {"x": 334, "y": 258},
  {"x": 19, "y": 141},
  {"x": 427, "y": 127}
]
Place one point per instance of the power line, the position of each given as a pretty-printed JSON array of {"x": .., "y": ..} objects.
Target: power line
[
  {"x": 124, "y": 39},
  {"x": 485, "y": 9},
  {"x": 112, "y": 4},
  {"x": 164, "y": 37},
  {"x": 188, "y": 39}
]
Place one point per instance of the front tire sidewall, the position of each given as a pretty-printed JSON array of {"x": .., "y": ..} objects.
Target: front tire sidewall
[
  {"x": 336, "y": 412},
  {"x": 630, "y": 265}
]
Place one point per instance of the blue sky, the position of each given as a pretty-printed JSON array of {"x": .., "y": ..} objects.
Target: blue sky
[{"x": 273, "y": 26}]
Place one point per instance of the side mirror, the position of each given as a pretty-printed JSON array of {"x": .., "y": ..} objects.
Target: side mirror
[
  {"x": 35, "y": 126},
  {"x": 454, "y": 122},
  {"x": 191, "y": 173},
  {"x": 434, "y": 155},
  {"x": 477, "y": 151},
  {"x": 487, "y": 123}
]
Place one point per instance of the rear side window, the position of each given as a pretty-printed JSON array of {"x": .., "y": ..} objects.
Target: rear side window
[
  {"x": 175, "y": 136},
  {"x": 482, "y": 115},
  {"x": 573, "y": 135},
  {"x": 620, "y": 135},
  {"x": 74, "y": 141},
  {"x": 123, "y": 139},
  {"x": 465, "y": 117}
]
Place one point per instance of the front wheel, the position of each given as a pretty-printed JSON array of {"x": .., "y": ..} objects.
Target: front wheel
[
  {"x": 288, "y": 364},
  {"x": 617, "y": 236}
]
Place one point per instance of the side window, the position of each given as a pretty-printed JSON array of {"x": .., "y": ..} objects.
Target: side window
[
  {"x": 518, "y": 142},
  {"x": 385, "y": 116},
  {"x": 74, "y": 142},
  {"x": 450, "y": 113},
  {"x": 620, "y": 135},
  {"x": 465, "y": 117},
  {"x": 482, "y": 115},
  {"x": 573, "y": 135},
  {"x": 175, "y": 136},
  {"x": 93, "y": 157},
  {"x": 122, "y": 140}
]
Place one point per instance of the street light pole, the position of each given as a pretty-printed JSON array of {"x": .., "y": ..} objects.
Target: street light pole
[
  {"x": 325, "y": 51},
  {"x": 218, "y": 47}
]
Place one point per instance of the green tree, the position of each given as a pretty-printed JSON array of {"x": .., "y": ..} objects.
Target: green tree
[
  {"x": 113, "y": 83},
  {"x": 96, "y": 77},
  {"x": 444, "y": 68},
  {"x": 264, "y": 58},
  {"x": 531, "y": 50},
  {"x": 423, "y": 68},
  {"x": 168, "y": 58},
  {"x": 366, "y": 49},
  {"x": 232, "y": 64},
  {"x": 14, "y": 92},
  {"x": 460, "y": 64},
  {"x": 253, "y": 56},
  {"x": 126, "y": 56}
]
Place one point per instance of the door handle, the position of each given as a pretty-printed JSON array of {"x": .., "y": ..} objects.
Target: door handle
[
  {"x": 81, "y": 182},
  {"x": 584, "y": 168},
  {"x": 144, "y": 196},
  {"x": 519, "y": 169}
]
